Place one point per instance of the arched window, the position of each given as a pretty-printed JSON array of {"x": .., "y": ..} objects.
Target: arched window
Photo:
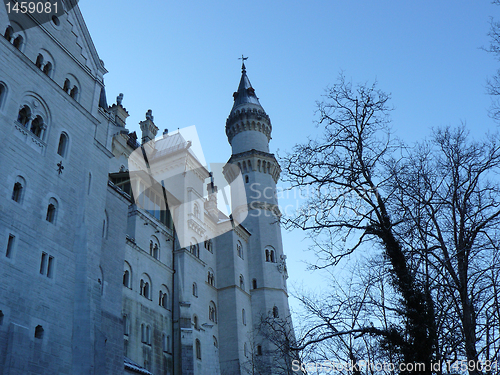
[
  {"x": 275, "y": 312},
  {"x": 267, "y": 256},
  {"x": 127, "y": 276},
  {"x": 245, "y": 350},
  {"x": 212, "y": 312},
  {"x": 239, "y": 249},
  {"x": 37, "y": 126},
  {"x": 195, "y": 322},
  {"x": 243, "y": 317},
  {"x": 18, "y": 42},
  {"x": 9, "y": 31},
  {"x": 273, "y": 260},
  {"x": 39, "y": 61},
  {"x": 39, "y": 332},
  {"x": 254, "y": 283},
  {"x": 216, "y": 343},
  {"x": 208, "y": 245},
  {"x": 18, "y": 190},
  {"x": 51, "y": 211},
  {"x": 198, "y": 349},
  {"x": 145, "y": 287},
  {"x": 195, "y": 290},
  {"x": 74, "y": 92},
  {"x": 24, "y": 116},
  {"x": 154, "y": 247},
  {"x": 145, "y": 334},
  {"x": 47, "y": 69},
  {"x": 259, "y": 350},
  {"x": 242, "y": 282},
  {"x": 163, "y": 300},
  {"x": 63, "y": 145},
  {"x": 211, "y": 277},
  {"x": 55, "y": 20},
  {"x": 67, "y": 85},
  {"x": 194, "y": 249}
]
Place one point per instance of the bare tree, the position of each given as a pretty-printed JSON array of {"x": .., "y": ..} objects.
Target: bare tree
[
  {"x": 449, "y": 209},
  {"x": 351, "y": 200},
  {"x": 343, "y": 324},
  {"x": 434, "y": 212},
  {"x": 277, "y": 356},
  {"x": 493, "y": 84}
]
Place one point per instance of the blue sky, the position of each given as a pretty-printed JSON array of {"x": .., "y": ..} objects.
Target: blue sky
[{"x": 180, "y": 59}]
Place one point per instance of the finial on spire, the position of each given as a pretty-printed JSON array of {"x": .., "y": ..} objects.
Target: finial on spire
[{"x": 242, "y": 58}]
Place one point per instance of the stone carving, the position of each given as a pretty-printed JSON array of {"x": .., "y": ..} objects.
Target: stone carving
[
  {"x": 282, "y": 265},
  {"x": 119, "y": 99},
  {"x": 149, "y": 115}
]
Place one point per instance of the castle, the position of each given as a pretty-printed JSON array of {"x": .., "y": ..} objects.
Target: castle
[{"x": 115, "y": 258}]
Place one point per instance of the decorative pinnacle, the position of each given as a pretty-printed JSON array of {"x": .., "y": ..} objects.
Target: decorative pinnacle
[{"x": 242, "y": 58}]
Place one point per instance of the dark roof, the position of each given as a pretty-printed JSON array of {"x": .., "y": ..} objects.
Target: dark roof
[
  {"x": 131, "y": 365},
  {"x": 245, "y": 93}
]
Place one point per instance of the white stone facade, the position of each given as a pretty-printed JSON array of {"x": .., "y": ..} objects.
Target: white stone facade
[{"x": 91, "y": 270}]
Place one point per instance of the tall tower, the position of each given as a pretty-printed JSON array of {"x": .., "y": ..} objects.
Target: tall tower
[{"x": 248, "y": 129}]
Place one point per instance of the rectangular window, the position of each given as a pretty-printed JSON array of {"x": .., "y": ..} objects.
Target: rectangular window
[
  {"x": 10, "y": 246},
  {"x": 43, "y": 263},
  {"x": 47, "y": 265},
  {"x": 50, "y": 266}
]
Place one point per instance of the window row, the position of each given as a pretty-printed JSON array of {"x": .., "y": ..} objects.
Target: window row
[
  {"x": 15, "y": 39},
  {"x": 36, "y": 124},
  {"x": 146, "y": 334},
  {"x": 145, "y": 287},
  {"x": 18, "y": 192},
  {"x": 43, "y": 61},
  {"x": 39, "y": 331}
]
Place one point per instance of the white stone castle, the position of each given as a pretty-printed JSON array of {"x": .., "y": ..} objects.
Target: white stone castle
[{"x": 105, "y": 271}]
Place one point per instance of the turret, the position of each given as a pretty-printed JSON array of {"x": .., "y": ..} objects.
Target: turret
[{"x": 248, "y": 126}]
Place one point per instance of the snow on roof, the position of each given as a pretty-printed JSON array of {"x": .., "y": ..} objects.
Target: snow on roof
[{"x": 131, "y": 365}]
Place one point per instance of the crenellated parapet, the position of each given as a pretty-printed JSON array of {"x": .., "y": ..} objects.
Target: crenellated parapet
[
  {"x": 253, "y": 161},
  {"x": 246, "y": 119}
]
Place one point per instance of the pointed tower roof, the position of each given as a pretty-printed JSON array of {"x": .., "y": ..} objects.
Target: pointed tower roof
[
  {"x": 245, "y": 96},
  {"x": 247, "y": 116}
]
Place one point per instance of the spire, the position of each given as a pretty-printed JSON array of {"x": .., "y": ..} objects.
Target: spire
[
  {"x": 245, "y": 93},
  {"x": 247, "y": 115},
  {"x": 243, "y": 68}
]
